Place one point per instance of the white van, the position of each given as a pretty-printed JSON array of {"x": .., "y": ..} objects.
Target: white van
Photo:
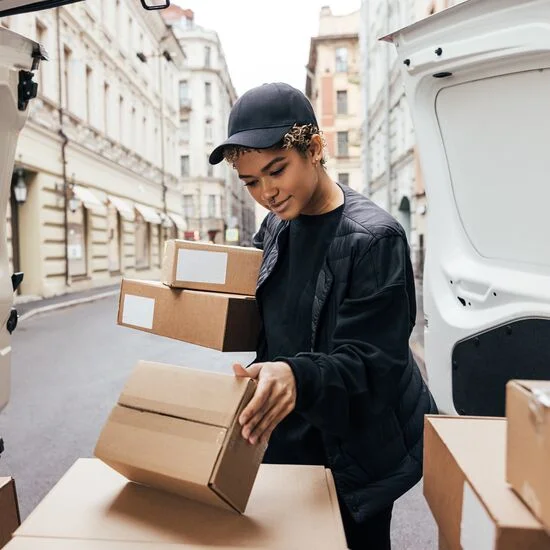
[
  {"x": 19, "y": 59},
  {"x": 477, "y": 77}
]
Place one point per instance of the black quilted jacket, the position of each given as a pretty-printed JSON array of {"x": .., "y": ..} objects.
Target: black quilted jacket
[{"x": 359, "y": 383}]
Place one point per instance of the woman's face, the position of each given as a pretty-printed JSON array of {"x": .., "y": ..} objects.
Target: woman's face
[{"x": 283, "y": 181}]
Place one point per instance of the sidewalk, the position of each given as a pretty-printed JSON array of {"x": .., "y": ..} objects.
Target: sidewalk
[{"x": 28, "y": 308}]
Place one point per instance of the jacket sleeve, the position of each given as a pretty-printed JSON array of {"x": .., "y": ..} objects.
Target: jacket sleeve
[{"x": 370, "y": 342}]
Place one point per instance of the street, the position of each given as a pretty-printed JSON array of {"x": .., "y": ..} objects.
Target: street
[{"x": 68, "y": 369}]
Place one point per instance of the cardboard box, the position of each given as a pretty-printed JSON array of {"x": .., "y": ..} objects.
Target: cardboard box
[
  {"x": 291, "y": 508},
  {"x": 528, "y": 444},
  {"x": 9, "y": 509},
  {"x": 226, "y": 322},
  {"x": 466, "y": 489},
  {"x": 177, "y": 429},
  {"x": 212, "y": 267}
]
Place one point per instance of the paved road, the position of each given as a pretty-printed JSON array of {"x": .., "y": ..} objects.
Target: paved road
[{"x": 69, "y": 367}]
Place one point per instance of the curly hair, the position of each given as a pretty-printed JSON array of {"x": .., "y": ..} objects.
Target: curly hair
[{"x": 298, "y": 137}]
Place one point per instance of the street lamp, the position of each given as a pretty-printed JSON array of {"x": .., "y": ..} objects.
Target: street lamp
[{"x": 20, "y": 187}]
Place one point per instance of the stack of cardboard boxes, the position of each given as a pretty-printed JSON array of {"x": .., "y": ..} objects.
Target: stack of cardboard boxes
[
  {"x": 487, "y": 480},
  {"x": 206, "y": 297},
  {"x": 175, "y": 428},
  {"x": 175, "y": 432}
]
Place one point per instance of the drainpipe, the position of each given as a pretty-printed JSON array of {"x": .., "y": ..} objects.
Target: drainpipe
[
  {"x": 387, "y": 102},
  {"x": 162, "y": 132},
  {"x": 64, "y": 142},
  {"x": 366, "y": 83}
]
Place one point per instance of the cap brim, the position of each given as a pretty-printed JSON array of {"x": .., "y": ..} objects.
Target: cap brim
[{"x": 261, "y": 138}]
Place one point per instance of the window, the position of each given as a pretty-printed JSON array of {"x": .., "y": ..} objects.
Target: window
[
  {"x": 188, "y": 206},
  {"x": 130, "y": 34},
  {"x": 144, "y": 146},
  {"x": 66, "y": 76},
  {"x": 184, "y": 129},
  {"x": 343, "y": 144},
  {"x": 114, "y": 236},
  {"x": 89, "y": 93},
  {"x": 143, "y": 239},
  {"x": 121, "y": 118},
  {"x": 184, "y": 160},
  {"x": 41, "y": 38},
  {"x": 77, "y": 242},
  {"x": 207, "y": 56},
  {"x": 208, "y": 131},
  {"x": 133, "y": 130},
  {"x": 211, "y": 206},
  {"x": 209, "y": 167},
  {"x": 208, "y": 93},
  {"x": 343, "y": 178},
  {"x": 106, "y": 107},
  {"x": 341, "y": 60},
  {"x": 342, "y": 102},
  {"x": 184, "y": 93}
]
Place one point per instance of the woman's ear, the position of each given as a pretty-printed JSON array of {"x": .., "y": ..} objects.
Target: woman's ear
[{"x": 316, "y": 148}]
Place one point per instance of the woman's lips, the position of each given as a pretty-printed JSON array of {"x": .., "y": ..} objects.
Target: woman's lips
[{"x": 277, "y": 207}]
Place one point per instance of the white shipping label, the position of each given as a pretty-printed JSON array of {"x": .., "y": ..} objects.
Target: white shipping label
[
  {"x": 477, "y": 529},
  {"x": 201, "y": 266},
  {"x": 138, "y": 311}
]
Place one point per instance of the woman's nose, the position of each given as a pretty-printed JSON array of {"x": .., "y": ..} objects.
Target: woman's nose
[{"x": 269, "y": 192}]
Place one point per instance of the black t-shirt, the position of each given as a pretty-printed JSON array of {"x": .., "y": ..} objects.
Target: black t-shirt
[{"x": 287, "y": 301}]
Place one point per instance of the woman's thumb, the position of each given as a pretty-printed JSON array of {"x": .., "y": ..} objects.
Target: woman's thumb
[{"x": 250, "y": 372}]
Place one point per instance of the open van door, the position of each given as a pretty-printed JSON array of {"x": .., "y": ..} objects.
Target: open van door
[
  {"x": 477, "y": 77},
  {"x": 19, "y": 57}
]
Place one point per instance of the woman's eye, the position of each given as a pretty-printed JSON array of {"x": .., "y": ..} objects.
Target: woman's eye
[
  {"x": 278, "y": 172},
  {"x": 249, "y": 183}
]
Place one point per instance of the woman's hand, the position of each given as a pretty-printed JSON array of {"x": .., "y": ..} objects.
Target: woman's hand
[{"x": 274, "y": 399}]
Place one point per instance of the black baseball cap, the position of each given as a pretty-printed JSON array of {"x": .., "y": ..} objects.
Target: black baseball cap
[{"x": 262, "y": 116}]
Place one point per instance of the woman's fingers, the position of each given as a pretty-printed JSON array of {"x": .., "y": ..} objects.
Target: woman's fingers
[
  {"x": 270, "y": 420},
  {"x": 257, "y": 407},
  {"x": 273, "y": 400}
]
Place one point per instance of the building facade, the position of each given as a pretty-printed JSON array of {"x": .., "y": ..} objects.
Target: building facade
[
  {"x": 391, "y": 168},
  {"x": 217, "y": 207},
  {"x": 98, "y": 157},
  {"x": 333, "y": 86},
  {"x": 390, "y": 163}
]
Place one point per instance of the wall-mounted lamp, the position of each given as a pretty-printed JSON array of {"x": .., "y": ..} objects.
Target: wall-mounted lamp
[
  {"x": 74, "y": 204},
  {"x": 20, "y": 187}
]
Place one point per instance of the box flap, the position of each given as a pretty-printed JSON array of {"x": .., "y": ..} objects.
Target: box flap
[
  {"x": 142, "y": 446},
  {"x": 237, "y": 465},
  {"x": 200, "y": 396},
  {"x": 289, "y": 509},
  {"x": 484, "y": 468}
]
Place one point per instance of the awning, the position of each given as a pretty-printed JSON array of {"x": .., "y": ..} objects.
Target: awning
[
  {"x": 166, "y": 221},
  {"x": 150, "y": 215},
  {"x": 125, "y": 209},
  {"x": 180, "y": 222},
  {"x": 88, "y": 199}
]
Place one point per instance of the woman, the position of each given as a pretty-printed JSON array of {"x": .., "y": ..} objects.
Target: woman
[{"x": 337, "y": 383}]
